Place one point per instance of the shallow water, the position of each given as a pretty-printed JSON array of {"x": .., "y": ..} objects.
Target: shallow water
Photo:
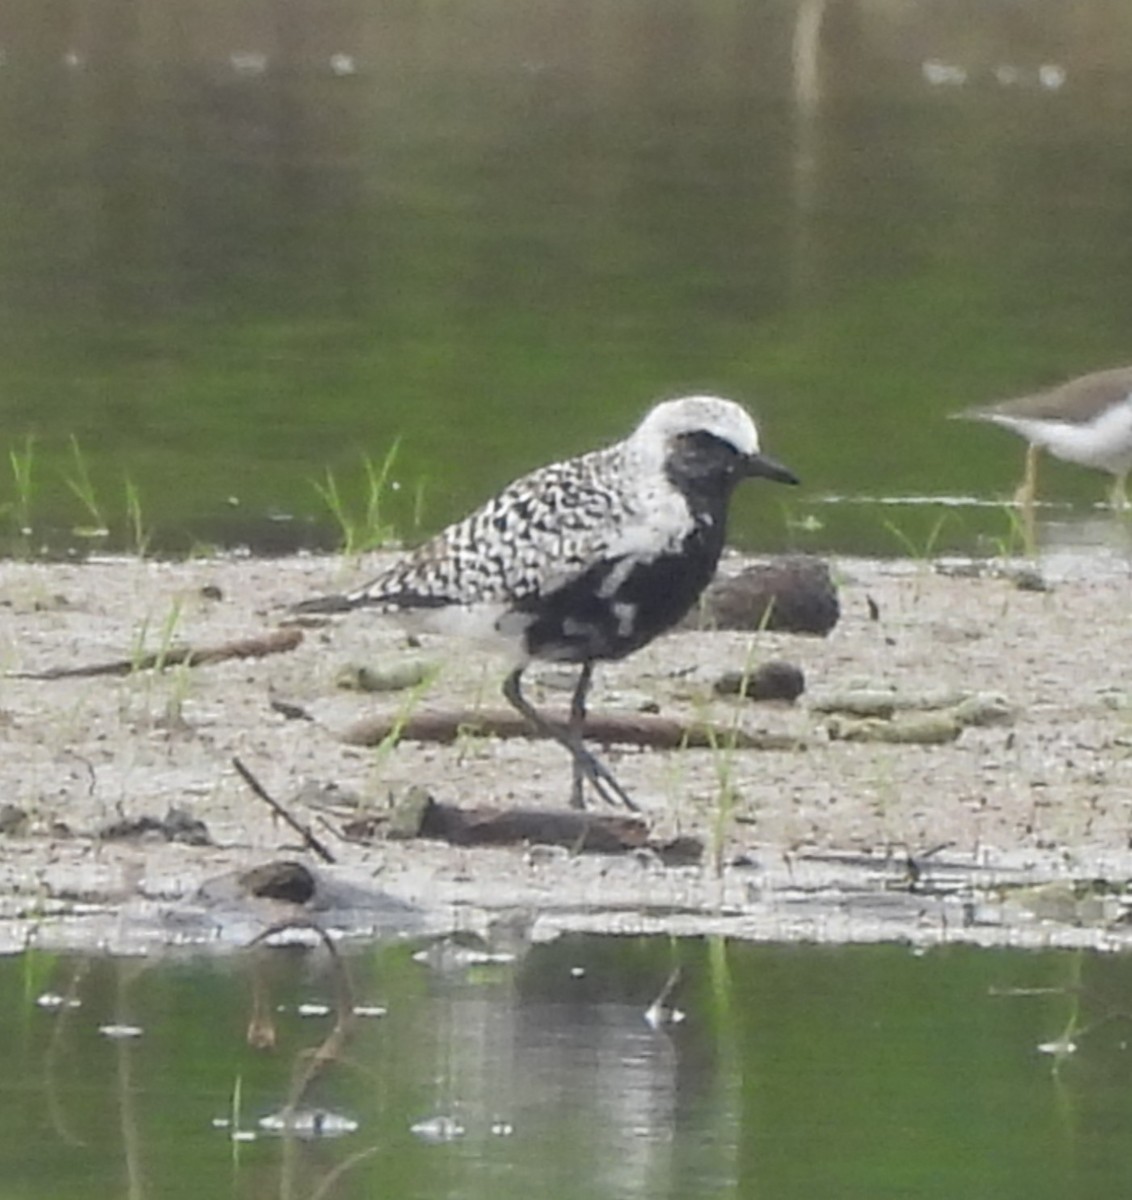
[
  {"x": 242, "y": 244},
  {"x": 796, "y": 1071}
]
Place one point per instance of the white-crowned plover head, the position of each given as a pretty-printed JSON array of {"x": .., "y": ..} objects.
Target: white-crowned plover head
[
  {"x": 586, "y": 559},
  {"x": 1086, "y": 421}
]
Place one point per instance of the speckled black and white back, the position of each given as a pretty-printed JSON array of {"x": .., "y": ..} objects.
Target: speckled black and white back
[{"x": 564, "y": 561}]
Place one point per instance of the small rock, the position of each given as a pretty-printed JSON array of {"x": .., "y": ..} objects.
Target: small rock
[
  {"x": 984, "y": 708},
  {"x": 13, "y": 819},
  {"x": 1026, "y": 579},
  {"x": 181, "y": 826},
  {"x": 774, "y": 680},
  {"x": 409, "y": 812},
  {"x": 681, "y": 851},
  {"x": 283, "y": 880},
  {"x": 386, "y": 677}
]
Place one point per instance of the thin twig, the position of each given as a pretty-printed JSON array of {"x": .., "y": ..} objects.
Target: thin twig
[
  {"x": 302, "y": 830},
  {"x": 275, "y": 642}
]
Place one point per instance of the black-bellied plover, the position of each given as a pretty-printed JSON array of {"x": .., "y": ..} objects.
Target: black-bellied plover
[
  {"x": 587, "y": 559},
  {"x": 1086, "y": 421}
]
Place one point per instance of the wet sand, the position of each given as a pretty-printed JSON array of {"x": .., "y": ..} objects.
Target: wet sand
[{"x": 996, "y": 837}]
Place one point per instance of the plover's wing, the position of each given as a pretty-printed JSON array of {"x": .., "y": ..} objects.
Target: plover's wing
[{"x": 538, "y": 534}]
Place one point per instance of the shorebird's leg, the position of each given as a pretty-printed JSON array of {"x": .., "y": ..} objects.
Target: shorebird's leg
[
  {"x": 577, "y": 728},
  {"x": 1024, "y": 498},
  {"x": 1118, "y": 497},
  {"x": 1028, "y": 489},
  {"x": 585, "y": 762}
]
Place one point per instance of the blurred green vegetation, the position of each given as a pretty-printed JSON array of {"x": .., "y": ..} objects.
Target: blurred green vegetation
[{"x": 243, "y": 245}]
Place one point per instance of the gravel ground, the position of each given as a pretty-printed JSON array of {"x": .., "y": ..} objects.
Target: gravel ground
[{"x": 987, "y": 837}]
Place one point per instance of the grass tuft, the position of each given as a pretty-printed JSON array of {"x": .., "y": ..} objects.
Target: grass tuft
[
  {"x": 365, "y": 529},
  {"x": 137, "y": 533},
  {"x": 22, "y": 463},
  {"x": 80, "y": 484}
]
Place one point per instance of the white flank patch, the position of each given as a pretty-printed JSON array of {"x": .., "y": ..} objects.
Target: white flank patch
[
  {"x": 490, "y": 623},
  {"x": 626, "y": 615},
  {"x": 615, "y": 580}
]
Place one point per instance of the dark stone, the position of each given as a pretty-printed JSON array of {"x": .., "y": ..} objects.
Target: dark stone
[
  {"x": 682, "y": 851},
  {"x": 338, "y": 903},
  {"x": 13, "y": 819},
  {"x": 1028, "y": 580},
  {"x": 794, "y": 594},
  {"x": 283, "y": 880},
  {"x": 181, "y": 826},
  {"x": 774, "y": 680}
]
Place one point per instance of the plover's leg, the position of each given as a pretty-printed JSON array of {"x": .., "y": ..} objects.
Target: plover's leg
[
  {"x": 586, "y": 763},
  {"x": 577, "y": 726}
]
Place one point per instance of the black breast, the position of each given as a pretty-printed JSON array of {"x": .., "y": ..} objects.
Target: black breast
[
  {"x": 619, "y": 605},
  {"x": 581, "y": 622}
]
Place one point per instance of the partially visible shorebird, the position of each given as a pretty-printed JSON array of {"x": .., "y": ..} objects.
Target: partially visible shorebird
[
  {"x": 584, "y": 560},
  {"x": 1086, "y": 421}
]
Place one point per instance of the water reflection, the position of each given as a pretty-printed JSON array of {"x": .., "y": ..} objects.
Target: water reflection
[{"x": 800, "y": 1071}]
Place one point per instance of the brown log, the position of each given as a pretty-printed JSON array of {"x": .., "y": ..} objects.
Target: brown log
[
  {"x": 638, "y": 729},
  {"x": 578, "y": 830},
  {"x": 275, "y": 642},
  {"x": 582, "y": 832}
]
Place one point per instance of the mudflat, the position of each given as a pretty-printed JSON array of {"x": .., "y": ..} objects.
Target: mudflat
[{"x": 958, "y": 767}]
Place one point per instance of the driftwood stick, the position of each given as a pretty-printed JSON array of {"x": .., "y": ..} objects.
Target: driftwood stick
[
  {"x": 302, "y": 830},
  {"x": 638, "y": 729},
  {"x": 275, "y": 642},
  {"x": 580, "y": 831},
  {"x": 419, "y": 815}
]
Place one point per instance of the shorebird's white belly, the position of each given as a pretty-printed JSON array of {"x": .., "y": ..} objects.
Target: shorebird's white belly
[
  {"x": 1105, "y": 442},
  {"x": 493, "y": 625}
]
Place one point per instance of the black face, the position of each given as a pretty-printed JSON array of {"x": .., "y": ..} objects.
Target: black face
[
  {"x": 701, "y": 463},
  {"x": 703, "y": 460}
]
